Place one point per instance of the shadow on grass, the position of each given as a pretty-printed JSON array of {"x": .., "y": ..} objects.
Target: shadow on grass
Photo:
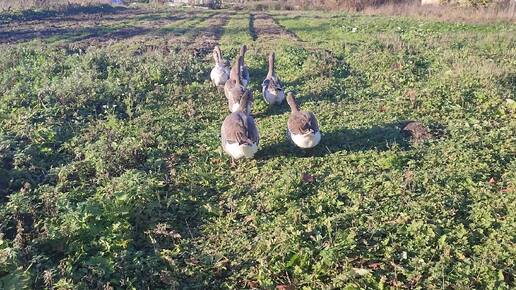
[
  {"x": 101, "y": 33},
  {"x": 378, "y": 138},
  {"x": 252, "y": 30},
  {"x": 271, "y": 110},
  {"x": 257, "y": 74},
  {"x": 190, "y": 27},
  {"x": 112, "y": 27},
  {"x": 321, "y": 27},
  {"x": 69, "y": 10},
  {"x": 286, "y": 30}
]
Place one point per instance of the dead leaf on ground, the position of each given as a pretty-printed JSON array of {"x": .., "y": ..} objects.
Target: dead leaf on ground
[
  {"x": 285, "y": 287},
  {"x": 375, "y": 265},
  {"x": 361, "y": 271},
  {"x": 408, "y": 177},
  {"x": 253, "y": 284},
  {"x": 305, "y": 177}
]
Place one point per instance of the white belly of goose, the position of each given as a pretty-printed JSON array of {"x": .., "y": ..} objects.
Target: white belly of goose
[
  {"x": 308, "y": 140},
  {"x": 238, "y": 151},
  {"x": 219, "y": 76},
  {"x": 244, "y": 82},
  {"x": 236, "y": 107},
  {"x": 273, "y": 96}
]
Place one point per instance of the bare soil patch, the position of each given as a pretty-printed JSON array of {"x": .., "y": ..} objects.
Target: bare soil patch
[
  {"x": 206, "y": 39},
  {"x": 91, "y": 27},
  {"x": 150, "y": 30},
  {"x": 262, "y": 25},
  {"x": 202, "y": 37}
]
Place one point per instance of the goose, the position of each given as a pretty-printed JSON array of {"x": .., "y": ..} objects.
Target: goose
[
  {"x": 271, "y": 87},
  {"x": 239, "y": 134},
  {"x": 234, "y": 90},
  {"x": 302, "y": 127},
  {"x": 244, "y": 70},
  {"x": 220, "y": 73}
]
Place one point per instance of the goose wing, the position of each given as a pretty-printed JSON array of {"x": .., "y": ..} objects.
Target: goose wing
[
  {"x": 245, "y": 73},
  {"x": 272, "y": 83},
  {"x": 252, "y": 130},
  {"x": 302, "y": 123},
  {"x": 237, "y": 129},
  {"x": 265, "y": 84},
  {"x": 276, "y": 83},
  {"x": 235, "y": 92}
]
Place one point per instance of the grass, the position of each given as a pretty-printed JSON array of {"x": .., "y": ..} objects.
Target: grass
[{"x": 111, "y": 172}]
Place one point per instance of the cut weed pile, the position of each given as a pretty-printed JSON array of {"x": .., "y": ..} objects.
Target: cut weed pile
[{"x": 111, "y": 172}]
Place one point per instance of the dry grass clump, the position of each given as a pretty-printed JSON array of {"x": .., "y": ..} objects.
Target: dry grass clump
[
  {"x": 350, "y": 5},
  {"x": 467, "y": 10},
  {"x": 504, "y": 10}
]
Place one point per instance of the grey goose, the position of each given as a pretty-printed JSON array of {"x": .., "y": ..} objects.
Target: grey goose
[
  {"x": 244, "y": 70},
  {"x": 239, "y": 134},
  {"x": 220, "y": 72},
  {"x": 272, "y": 88},
  {"x": 302, "y": 127},
  {"x": 234, "y": 90}
]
